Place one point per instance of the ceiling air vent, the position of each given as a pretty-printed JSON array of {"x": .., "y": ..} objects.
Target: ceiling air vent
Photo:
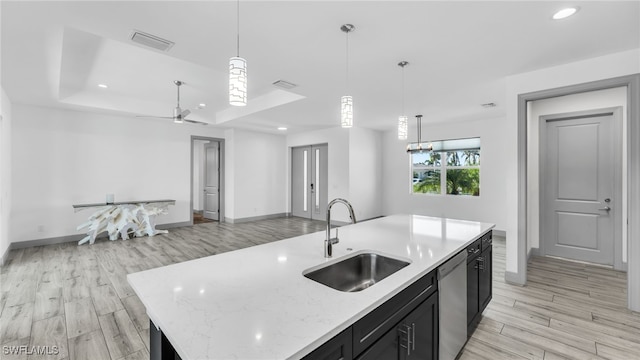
[
  {"x": 284, "y": 84},
  {"x": 152, "y": 41}
]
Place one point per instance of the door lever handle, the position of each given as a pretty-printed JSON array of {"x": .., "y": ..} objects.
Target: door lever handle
[{"x": 606, "y": 208}]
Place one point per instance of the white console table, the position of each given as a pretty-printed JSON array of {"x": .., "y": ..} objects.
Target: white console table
[{"x": 120, "y": 219}]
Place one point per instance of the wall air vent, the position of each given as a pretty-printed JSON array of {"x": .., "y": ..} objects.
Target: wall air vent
[
  {"x": 152, "y": 41},
  {"x": 284, "y": 84}
]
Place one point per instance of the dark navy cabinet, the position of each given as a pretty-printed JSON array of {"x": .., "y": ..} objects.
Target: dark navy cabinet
[
  {"x": 405, "y": 327},
  {"x": 479, "y": 279}
]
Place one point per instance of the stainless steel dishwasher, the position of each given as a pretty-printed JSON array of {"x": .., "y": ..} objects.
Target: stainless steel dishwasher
[{"x": 452, "y": 292}]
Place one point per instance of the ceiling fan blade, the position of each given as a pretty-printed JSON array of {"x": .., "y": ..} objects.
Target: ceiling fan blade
[
  {"x": 185, "y": 113},
  {"x": 195, "y": 122},
  {"x": 155, "y": 117}
]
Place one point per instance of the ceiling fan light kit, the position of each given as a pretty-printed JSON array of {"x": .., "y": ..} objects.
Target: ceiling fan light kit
[{"x": 178, "y": 114}]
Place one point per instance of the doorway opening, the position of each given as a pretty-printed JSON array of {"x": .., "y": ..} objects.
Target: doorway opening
[
  {"x": 581, "y": 186},
  {"x": 207, "y": 180},
  {"x": 630, "y": 150}
]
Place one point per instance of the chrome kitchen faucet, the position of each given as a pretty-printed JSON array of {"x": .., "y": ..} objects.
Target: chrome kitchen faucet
[{"x": 329, "y": 242}]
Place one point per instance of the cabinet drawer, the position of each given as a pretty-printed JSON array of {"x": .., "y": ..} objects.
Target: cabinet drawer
[{"x": 375, "y": 324}]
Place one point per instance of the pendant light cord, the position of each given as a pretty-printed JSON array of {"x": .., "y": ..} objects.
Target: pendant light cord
[
  {"x": 403, "y": 91},
  {"x": 347, "y": 72},
  {"x": 238, "y": 26}
]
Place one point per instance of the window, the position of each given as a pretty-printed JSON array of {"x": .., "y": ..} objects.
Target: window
[{"x": 451, "y": 172}]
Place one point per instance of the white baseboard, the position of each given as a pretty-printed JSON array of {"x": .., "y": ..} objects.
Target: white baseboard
[
  {"x": 255, "y": 218},
  {"x": 74, "y": 238},
  {"x": 5, "y": 256}
]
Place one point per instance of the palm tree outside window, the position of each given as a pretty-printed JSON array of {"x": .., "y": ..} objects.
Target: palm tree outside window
[{"x": 455, "y": 172}]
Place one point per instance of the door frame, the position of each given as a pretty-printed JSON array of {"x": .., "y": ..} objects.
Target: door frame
[
  {"x": 632, "y": 83},
  {"x": 290, "y": 180},
  {"x": 616, "y": 113},
  {"x": 205, "y": 148},
  {"x": 221, "y": 174}
]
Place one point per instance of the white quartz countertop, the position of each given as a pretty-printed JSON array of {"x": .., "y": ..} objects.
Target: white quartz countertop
[{"x": 255, "y": 303}]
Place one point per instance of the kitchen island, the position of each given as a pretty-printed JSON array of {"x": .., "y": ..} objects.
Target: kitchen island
[{"x": 255, "y": 303}]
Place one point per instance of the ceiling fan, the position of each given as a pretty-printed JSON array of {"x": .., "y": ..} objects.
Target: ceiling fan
[{"x": 179, "y": 115}]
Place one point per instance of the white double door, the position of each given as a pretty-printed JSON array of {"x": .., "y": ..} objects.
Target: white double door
[
  {"x": 309, "y": 166},
  {"x": 580, "y": 196}
]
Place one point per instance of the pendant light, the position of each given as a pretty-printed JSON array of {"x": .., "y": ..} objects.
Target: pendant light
[
  {"x": 346, "y": 102},
  {"x": 403, "y": 124},
  {"x": 418, "y": 147},
  {"x": 238, "y": 72},
  {"x": 440, "y": 145}
]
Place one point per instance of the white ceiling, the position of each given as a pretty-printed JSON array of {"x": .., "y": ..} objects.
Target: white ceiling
[{"x": 55, "y": 54}]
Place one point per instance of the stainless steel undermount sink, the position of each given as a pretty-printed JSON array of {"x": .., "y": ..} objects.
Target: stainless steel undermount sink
[{"x": 357, "y": 272}]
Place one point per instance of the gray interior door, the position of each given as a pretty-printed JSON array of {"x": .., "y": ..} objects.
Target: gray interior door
[
  {"x": 578, "y": 188},
  {"x": 212, "y": 181},
  {"x": 309, "y": 181}
]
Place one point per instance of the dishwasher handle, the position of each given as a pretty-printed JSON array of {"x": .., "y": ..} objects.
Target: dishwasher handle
[{"x": 446, "y": 268}]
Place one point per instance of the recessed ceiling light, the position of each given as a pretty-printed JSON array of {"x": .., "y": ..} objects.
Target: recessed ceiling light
[
  {"x": 202, "y": 105},
  {"x": 564, "y": 13},
  {"x": 282, "y": 128},
  {"x": 102, "y": 86}
]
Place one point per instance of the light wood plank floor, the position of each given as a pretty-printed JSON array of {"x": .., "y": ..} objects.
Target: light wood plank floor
[
  {"x": 77, "y": 298},
  {"x": 567, "y": 310}
]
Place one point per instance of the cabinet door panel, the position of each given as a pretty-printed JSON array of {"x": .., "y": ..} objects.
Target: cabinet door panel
[
  {"x": 384, "y": 349},
  {"x": 338, "y": 348},
  {"x": 424, "y": 319},
  {"x": 484, "y": 280}
]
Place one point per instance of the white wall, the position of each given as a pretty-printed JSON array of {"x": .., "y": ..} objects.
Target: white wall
[
  {"x": 354, "y": 169},
  {"x": 600, "y": 68},
  {"x": 64, "y": 157},
  {"x": 488, "y": 207},
  {"x": 578, "y": 102},
  {"x": 5, "y": 173},
  {"x": 257, "y": 171},
  {"x": 229, "y": 174},
  {"x": 365, "y": 172}
]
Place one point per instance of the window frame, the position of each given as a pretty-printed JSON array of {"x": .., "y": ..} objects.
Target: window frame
[{"x": 442, "y": 168}]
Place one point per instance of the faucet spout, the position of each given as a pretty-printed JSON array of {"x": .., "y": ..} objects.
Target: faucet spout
[{"x": 329, "y": 241}]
